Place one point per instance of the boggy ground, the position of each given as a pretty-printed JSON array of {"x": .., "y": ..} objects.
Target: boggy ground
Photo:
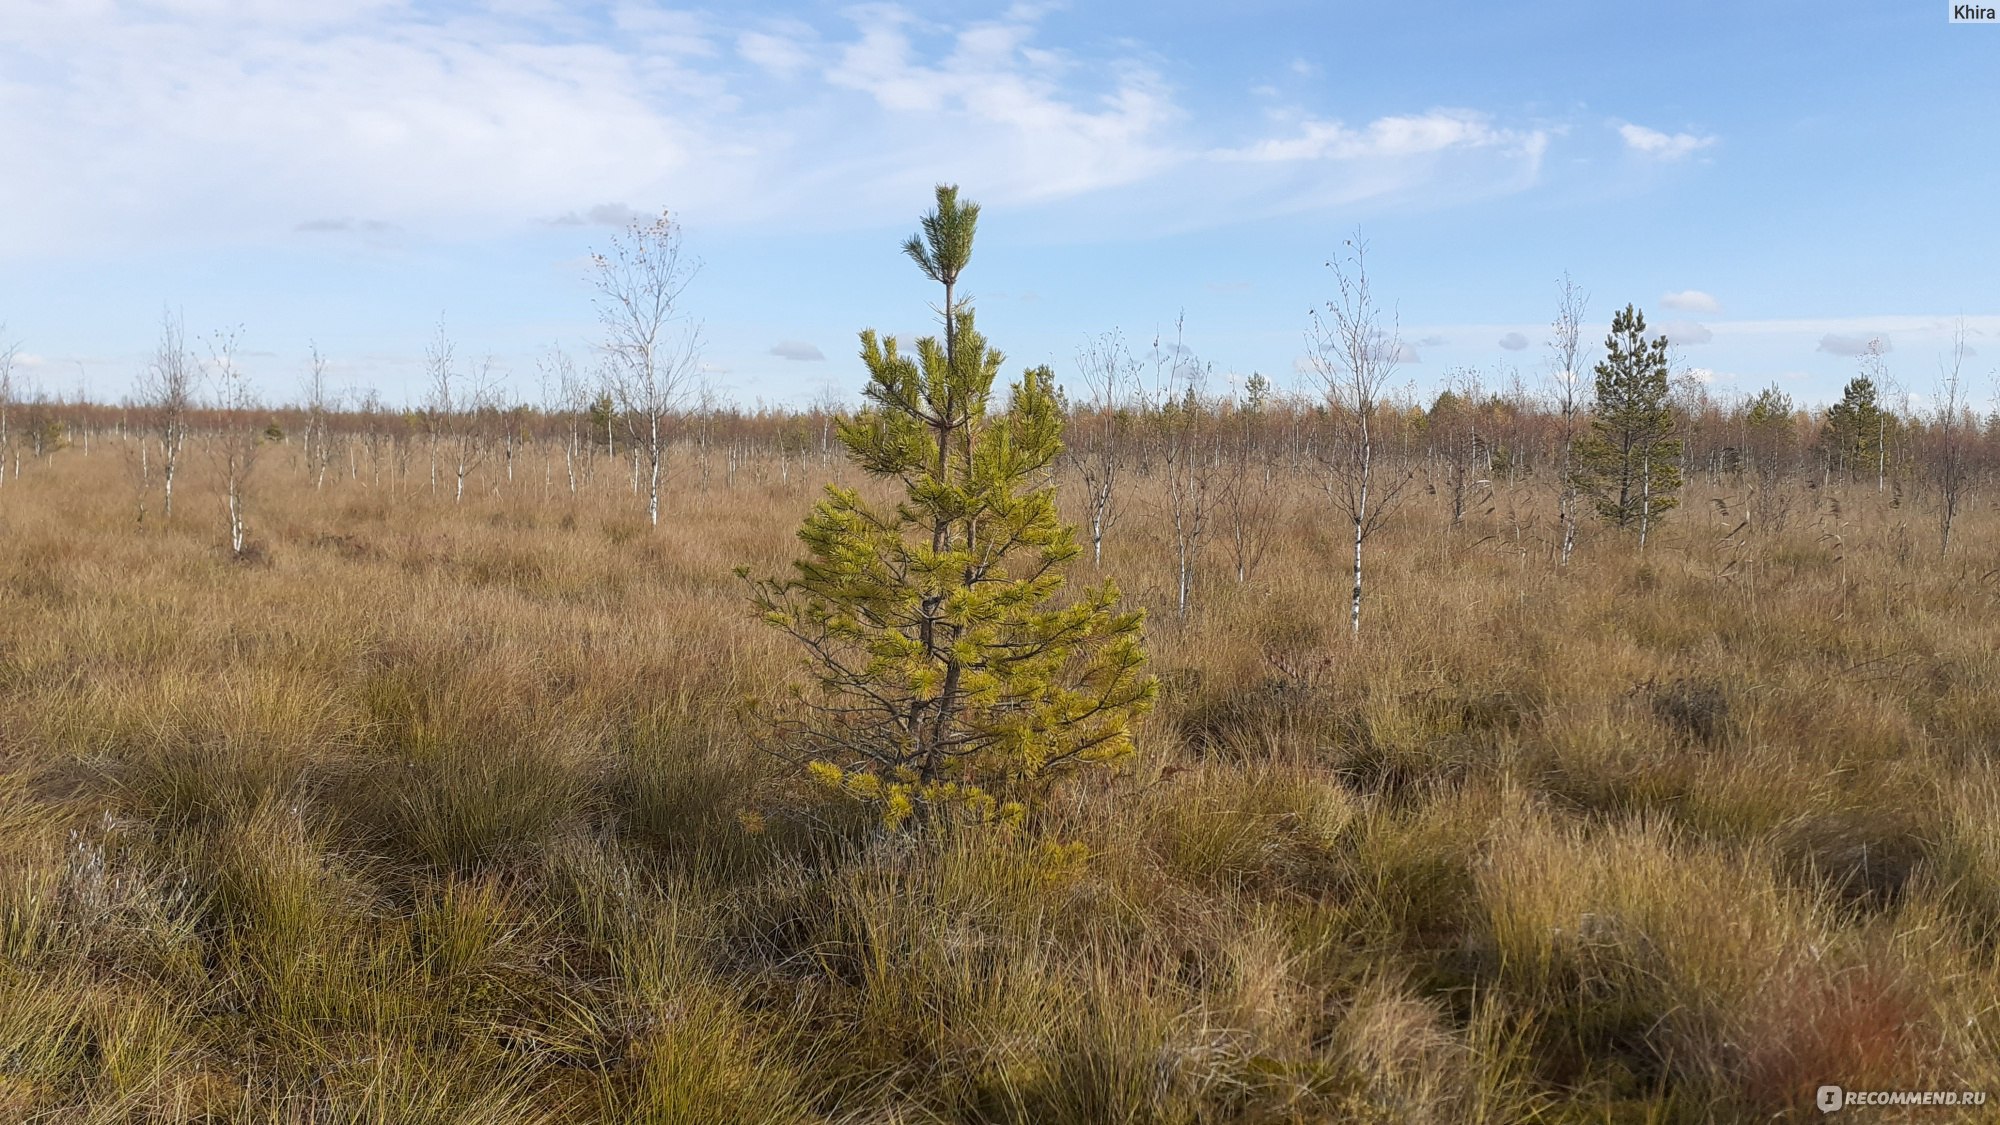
[{"x": 437, "y": 813}]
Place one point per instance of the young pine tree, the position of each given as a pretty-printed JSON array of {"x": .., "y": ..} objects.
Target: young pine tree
[
  {"x": 1630, "y": 463},
  {"x": 1852, "y": 437},
  {"x": 947, "y": 674}
]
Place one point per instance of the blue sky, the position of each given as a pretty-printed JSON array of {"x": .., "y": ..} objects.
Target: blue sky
[{"x": 1773, "y": 183}]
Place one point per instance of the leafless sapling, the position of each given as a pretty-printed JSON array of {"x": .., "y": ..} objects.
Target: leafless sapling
[
  {"x": 318, "y": 448},
  {"x": 1249, "y": 492},
  {"x": 1875, "y": 368},
  {"x": 566, "y": 395},
  {"x": 1098, "y": 427},
  {"x": 650, "y": 345},
  {"x": 1951, "y": 438},
  {"x": 456, "y": 411},
  {"x": 1567, "y": 391},
  {"x": 1185, "y": 432},
  {"x": 234, "y": 444},
  {"x": 1353, "y": 354},
  {"x": 9, "y": 352},
  {"x": 168, "y": 391}
]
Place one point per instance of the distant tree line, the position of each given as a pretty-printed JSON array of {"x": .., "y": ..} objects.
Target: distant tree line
[{"x": 1616, "y": 434}]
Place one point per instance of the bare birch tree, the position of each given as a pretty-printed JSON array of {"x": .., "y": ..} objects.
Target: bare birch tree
[
  {"x": 234, "y": 444},
  {"x": 375, "y": 438},
  {"x": 1353, "y": 354},
  {"x": 1097, "y": 428},
  {"x": 1186, "y": 430},
  {"x": 707, "y": 404},
  {"x": 9, "y": 352},
  {"x": 1249, "y": 497},
  {"x": 1453, "y": 427},
  {"x": 138, "y": 448},
  {"x": 455, "y": 411},
  {"x": 168, "y": 390},
  {"x": 318, "y": 404},
  {"x": 566, "y": 395},
  {"x": 1566, "y": 390},
  {"x": 1951, "y": 438},
  {"x": 651, "y": 347}
]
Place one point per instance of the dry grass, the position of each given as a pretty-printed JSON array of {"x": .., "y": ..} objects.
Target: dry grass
[{"x": 430, "y": 813}]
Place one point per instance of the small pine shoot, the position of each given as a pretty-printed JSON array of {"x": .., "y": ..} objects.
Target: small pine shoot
[{"x": 948, "y": 675}]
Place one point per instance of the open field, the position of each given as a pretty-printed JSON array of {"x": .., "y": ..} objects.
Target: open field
[{"x": 443, "y": 812}]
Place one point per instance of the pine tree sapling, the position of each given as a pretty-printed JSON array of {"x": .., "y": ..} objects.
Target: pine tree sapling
[
  {"x": 948, "y": 677},
  {"x": 1631, "y": 461},
  {"x": 1855, "y": 427}
]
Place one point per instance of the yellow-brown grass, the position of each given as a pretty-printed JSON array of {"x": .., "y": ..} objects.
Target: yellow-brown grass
[{"x": 446, "y": 813}]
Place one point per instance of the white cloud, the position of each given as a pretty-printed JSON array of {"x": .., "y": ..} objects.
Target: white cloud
[
  {"x": 1514, "y": 341},
  {"x": 138, "y": 123},
  {"x": 1795, "y": 337},
  {"x": 1866, "y": 327},
  {"x": 784, "y": 52},
  {"x": 799, "y": 351},
  {"x": 345, "y": 226},
  {"x": 231, "y": 120},
  {"x": 663, "y": 30},
  {"x": 1434, "y": 158},
  {"x": 601, "y": 215},
  {"x": 1400, "y": 136},
  {"x": 1662, "y": 146},
  {"x": 1835, "y": 344},
  {"x": 1692, "y": 300},
  {"x": 1684, "y": 332},
  {"x": 992, "y": 94}
]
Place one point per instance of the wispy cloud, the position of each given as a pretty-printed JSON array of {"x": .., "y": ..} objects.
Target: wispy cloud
[
  {"x": 1835, "y": 344},
  {"x": 799, "y": 351},
  {"x": 133, "y": 122},
  {"x": 784, "y": 51},
  {"x": 1685, "y": 332},
  {"x": 601, "y": 215},
  {"x": 346, "y": 226},
  {"x": 1402, "y": 136},
  {"x": 1692, "y": 300},
  {"x": 1657, "y": 145},
  {"x": 1514, "y": 341}
]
